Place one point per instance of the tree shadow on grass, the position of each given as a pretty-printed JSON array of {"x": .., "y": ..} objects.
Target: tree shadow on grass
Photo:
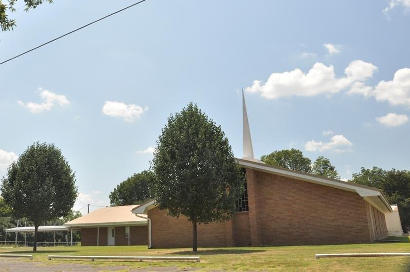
[{"x": 218, "y": 251}]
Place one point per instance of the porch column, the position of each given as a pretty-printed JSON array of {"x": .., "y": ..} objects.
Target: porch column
[
  {"x": 71, "y": 237},
  {"x": 98, "y": 236}
]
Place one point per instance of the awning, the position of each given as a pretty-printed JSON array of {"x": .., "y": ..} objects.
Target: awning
[{"x": 40, "y": 229}]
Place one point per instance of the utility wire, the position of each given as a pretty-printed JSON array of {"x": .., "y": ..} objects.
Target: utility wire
[{"x": 71, "y": 32}]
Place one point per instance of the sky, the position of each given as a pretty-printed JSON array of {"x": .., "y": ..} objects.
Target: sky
[{"x": 331, "y": 78}]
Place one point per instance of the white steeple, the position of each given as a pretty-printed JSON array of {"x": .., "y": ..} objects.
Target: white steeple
[{"x": 247, "y": 140}]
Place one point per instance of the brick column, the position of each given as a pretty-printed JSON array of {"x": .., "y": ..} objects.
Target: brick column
[
  {"x": 228, "y": 233},
  {"x": 252, "y": 202}
]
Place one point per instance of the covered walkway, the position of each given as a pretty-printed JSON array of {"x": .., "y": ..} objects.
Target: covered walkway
[{"x": 53, "y": 229}]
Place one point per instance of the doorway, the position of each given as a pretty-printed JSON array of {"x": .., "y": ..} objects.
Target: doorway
[{"x": 111, "y": 236}]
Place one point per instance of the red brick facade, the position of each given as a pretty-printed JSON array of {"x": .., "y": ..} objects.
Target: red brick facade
[
  {"x": 138, "y": 236},
  {"x": 282, "y": 211}
]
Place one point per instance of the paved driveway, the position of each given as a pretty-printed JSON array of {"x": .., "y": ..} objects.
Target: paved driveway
[{"x": 16, "y": 265}]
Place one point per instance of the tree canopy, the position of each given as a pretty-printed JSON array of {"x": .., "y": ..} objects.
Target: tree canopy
[
  {"x": 292, "y": 159},
  {"x": 5, "y": 210},
  {"x": 7, "y": 6},
  {"x": 323, "y": 167},
  {"x": 133, "y": 190},
  {"x": 40, "y": 185},
  {"x": 395, "y": 185},
  {"x": 196, "y": 174}
]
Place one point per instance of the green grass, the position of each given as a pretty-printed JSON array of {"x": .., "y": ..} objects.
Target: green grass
[{"x": 277, "y": 258}]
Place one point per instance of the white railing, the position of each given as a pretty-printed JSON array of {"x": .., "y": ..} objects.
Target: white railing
[{"x": 40, "y": 244}]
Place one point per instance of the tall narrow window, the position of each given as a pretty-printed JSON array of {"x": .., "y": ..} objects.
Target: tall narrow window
[{"x": 242, "y": 202}]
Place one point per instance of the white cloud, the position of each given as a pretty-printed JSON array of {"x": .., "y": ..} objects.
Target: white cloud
[
  {"x": 338, "y": 143},
  {"x": 50, "y": 100},
  {"x": 331, "y": 48},
  {"x": 359, "y": 70},
  {"x": 320, "y": 79},
  {"x": 393, "y": 119},
  {"x": 360, "y": 88},
  {"x": 128, "y": 112},
  {"x": 148, "y": 150},
  {"x": 396, "y": 91},
  {"x": 6, "y": 158},
  {"x": 96, "y": 199},
  {"x": 328, "y": 132},
  {"x": 394, "y": 3}
]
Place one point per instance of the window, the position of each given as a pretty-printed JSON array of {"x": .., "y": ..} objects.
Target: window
[
  {"x": 242, "y": 202},
  {"x": 127, "y": 232}
]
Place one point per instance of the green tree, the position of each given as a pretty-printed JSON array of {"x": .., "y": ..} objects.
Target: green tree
[
  {"x": 133, "y": 190},
  {"x": 40, "y": 186},
  {"x": 395, "y": 185},
  {"x": 5, "y": 210},
  {"x": 196, "y": 174},
  {"x": 9, "y": 5},
  {"x": 5, "y": 218},
  {"x": 323, "y": 167},
  {"x": 292, "y": 159}
]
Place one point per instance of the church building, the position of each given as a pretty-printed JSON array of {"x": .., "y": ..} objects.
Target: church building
[{"x": 280, "y": 207}]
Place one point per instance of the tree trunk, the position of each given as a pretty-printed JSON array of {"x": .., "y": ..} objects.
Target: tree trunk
[
  {"x": 194, "y": 237},
  {"x": 35, "y": 238}
]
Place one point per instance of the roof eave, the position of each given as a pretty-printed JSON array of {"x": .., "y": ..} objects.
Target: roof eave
[{"x": 107, "y": 224}]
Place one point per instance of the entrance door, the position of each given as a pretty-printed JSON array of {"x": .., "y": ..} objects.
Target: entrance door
[{"x": 110, "y": 236}]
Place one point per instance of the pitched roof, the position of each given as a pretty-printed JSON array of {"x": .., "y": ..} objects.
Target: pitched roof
[
  {"x": 109, "y": 216},
  {"x": 372, "y": 195}
]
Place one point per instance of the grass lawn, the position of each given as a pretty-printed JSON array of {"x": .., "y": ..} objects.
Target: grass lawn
[{"x": 278, "y": 258}]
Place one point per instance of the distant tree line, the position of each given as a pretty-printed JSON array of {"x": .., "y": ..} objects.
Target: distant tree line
[{"x": 395, "y": 185}]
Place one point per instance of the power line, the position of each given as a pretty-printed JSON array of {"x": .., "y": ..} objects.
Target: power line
[{"x": 71, "y": 32}]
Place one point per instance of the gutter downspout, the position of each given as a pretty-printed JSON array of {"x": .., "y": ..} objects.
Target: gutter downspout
[{"x": 149, "y": 234}]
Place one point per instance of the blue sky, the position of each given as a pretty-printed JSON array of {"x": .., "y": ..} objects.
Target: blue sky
[{"x": 332, "y": 78}]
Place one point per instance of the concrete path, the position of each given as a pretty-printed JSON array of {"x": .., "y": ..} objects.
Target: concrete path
[{"x": 16, "y": 265}]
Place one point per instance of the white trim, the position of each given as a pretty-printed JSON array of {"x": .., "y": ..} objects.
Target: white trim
[{"x": 107, "y": 224}]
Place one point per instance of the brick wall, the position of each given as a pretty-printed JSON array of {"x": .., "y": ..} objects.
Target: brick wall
[
  {"x": 120, "y": 239},
  {"x": 89, "y": 236},
  {"x": 376, "y": 223},
  {"x": 103, "y": 236},
  {"x": 241, "y": 232},
  {"x": 169, "y": 231},
  {"x": 139, "y": 235},
  {"x": 282, "y": 211},
  {"x": 293, "y": 212}
]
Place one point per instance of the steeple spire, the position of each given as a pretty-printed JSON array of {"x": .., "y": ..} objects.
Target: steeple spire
[{"x": 247, "y": 140}]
